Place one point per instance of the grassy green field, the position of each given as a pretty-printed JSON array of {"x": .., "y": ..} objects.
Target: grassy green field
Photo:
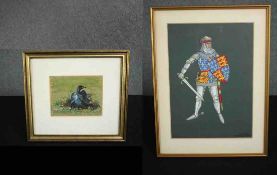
[{"x": 61, "y": 88}]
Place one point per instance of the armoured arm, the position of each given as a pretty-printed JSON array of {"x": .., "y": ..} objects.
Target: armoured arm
[
  {"x": 193, "y": 58},
  {"x": 189, "y": 62}
]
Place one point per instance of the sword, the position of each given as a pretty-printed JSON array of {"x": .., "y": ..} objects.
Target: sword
[
  {"x": 219, "y": 95},
  {"x": 191, "y": 88}
]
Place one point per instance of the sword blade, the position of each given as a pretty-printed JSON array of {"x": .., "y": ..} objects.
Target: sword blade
[
  {"x": 196, "y": 93},
  {"x": 219, "y": 95}
]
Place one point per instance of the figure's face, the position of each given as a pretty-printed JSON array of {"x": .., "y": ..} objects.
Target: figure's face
[{"x": 209, "y": 45}]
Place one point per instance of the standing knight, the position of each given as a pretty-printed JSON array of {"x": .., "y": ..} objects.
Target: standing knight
[{"x": 214, "y": 70}]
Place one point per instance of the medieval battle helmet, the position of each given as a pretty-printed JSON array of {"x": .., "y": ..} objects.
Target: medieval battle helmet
[{"x": 205, "y": 39}]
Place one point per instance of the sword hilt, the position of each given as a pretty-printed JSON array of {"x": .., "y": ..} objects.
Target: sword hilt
[{"x": 182, "y": 79}]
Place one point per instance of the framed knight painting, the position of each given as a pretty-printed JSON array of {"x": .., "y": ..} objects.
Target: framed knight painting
[
  {"x": 211, "y": 80},
  {"x": 76, "y": 95}
]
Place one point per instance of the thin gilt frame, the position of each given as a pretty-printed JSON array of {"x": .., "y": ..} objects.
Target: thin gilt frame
[
  {"x": 124, "y": 55},
  {"x": 267, "y": 66}
]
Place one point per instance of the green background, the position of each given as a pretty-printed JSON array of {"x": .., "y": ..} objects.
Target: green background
[
  {"x": 61, "y": 88},
  {"x": 232, "y": 39}
]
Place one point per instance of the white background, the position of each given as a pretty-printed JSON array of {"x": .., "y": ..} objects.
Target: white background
[{"x": 107, "y": 124}]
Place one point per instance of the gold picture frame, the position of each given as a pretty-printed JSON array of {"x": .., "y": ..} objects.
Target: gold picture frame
[
  {"x": 166, "y": 145},
  {"x": 33, "y": 66}
]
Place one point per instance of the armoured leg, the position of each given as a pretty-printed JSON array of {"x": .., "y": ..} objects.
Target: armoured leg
[
  {"x": 198, "y": 103},
  {"x": 214, "y": 94}
]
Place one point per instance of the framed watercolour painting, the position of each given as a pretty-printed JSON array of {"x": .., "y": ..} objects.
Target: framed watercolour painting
[
  {"x": 211, "y": 80},
  {"x": 76, "y": 95}
]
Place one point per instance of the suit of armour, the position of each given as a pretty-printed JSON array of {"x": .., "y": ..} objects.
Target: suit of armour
[{"x": 208, "y": 76}]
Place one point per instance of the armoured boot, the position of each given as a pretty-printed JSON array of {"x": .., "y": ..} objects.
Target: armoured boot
[
  {"x": 197, "y": 107},
  {"x": 217, "y": 108}
]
